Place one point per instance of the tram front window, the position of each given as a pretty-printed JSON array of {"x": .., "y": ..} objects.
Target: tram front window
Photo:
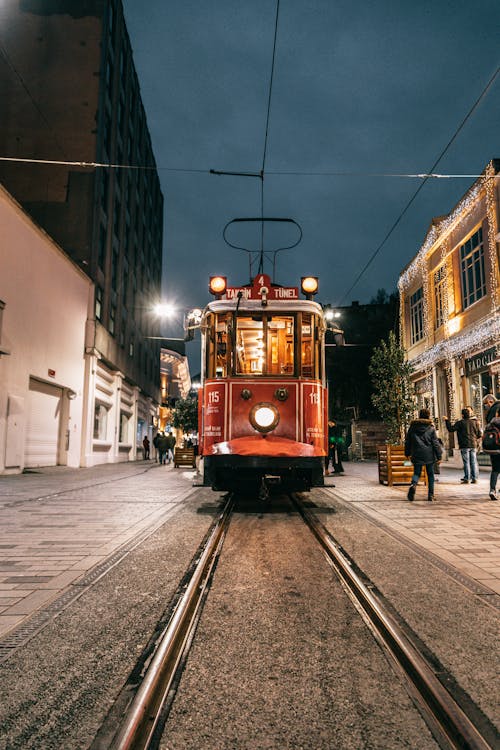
[
  {"x": 280, "y": 359},
  {"x": 265, "y": 345},
  {"x": 250, "y": 346}
]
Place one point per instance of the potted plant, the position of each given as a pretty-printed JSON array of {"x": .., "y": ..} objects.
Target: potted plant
[{"x": 393, "y": 399}]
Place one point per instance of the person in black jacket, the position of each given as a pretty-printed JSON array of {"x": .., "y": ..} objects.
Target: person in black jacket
[
  {"x": 494, "y": 458},
  {"x": 490, "y": 406},
  {"x": 423, "y": 448},
  {"x": 468, "y": 433}
]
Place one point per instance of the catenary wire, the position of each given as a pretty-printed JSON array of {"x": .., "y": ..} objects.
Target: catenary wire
[{"x": 417, "y": 191}]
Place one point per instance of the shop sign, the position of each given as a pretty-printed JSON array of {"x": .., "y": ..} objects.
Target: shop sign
[
  {"x": 480, "y": 362},
  {"x": 495, "y": 367}
]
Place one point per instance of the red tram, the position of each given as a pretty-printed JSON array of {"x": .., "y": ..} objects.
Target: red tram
[{"x": 263, "y": 401}]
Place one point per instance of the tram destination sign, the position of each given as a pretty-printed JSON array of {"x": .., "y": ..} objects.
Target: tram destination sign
[{"x": 262, "y": 288}]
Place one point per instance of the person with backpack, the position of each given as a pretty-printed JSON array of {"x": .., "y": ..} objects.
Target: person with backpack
[
  {"x": 490, "y": 406},
  {"x": 491, "y": 445},
  {"x": 468, "y": 433},
  {"x": 423, "y": 448}
]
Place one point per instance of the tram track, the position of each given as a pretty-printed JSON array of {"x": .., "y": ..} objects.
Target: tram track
[
  {"x": 142, "y": 722},
  {"x": 448, "y": 721}
]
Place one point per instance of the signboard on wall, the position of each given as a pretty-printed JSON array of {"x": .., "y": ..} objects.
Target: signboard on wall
[{"x": 480, "y": 362}]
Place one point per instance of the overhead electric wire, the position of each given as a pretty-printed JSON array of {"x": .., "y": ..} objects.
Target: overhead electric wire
[
  {"x": 417, "y": 191},
  {"x": 268, "y": 115},
  {"x": 111, "y": 165}
]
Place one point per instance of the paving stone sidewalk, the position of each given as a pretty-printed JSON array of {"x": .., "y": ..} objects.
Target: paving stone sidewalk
[
  {"x": 462, "y": 527},
  {"x": 57, "y": 524}
]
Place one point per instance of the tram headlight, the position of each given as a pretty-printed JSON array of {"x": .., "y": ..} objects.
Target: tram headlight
[
  {"x": 264, "y": 417},
  {"x": 309, "y": 285},
  {"x": 217, "y": 285}
]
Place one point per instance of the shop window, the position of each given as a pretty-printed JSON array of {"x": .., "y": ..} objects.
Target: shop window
[
  {"x": 100, "y": 421},
  {"x": 472, "y": 269},
  {"x": 417, "y": 316}
]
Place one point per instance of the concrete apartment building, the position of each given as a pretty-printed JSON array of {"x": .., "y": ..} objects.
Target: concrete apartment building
[
  {"x": 450, "y": 305},
  {"x": 70, "y": 94}
]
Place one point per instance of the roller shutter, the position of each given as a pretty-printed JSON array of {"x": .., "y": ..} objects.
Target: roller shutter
[{"x": 42, "y": 430}]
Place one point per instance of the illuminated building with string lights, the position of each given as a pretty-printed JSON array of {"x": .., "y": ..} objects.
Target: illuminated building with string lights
[
  {"x": 450, "y": 305},
  {"x": 74, "y": 104}
]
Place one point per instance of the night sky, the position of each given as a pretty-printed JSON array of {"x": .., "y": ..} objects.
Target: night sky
[{"x": 359, "y": 88}]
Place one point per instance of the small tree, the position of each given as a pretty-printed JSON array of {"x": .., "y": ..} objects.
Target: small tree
[
  {"x": 392, "y": 389},
  {"x": 185, "y": 415}
]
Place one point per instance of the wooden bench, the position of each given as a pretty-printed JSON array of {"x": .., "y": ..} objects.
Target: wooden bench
[
  {"x": 391, "y": 466},
  {"x": 184, "y": 457}
]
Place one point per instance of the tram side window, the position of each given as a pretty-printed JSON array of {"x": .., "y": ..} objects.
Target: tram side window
[
  {"x": 308, "y": 346},
  {"x": 222, "y": 346},
  {"x": 280, "y": 345},
  {"x": 217, "y": 346},
  {"x": 250, "y": 346}
]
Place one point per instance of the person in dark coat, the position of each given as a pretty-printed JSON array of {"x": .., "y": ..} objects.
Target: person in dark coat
[
  {"x": 495, "y": 459},
  {"x": 490, "y": 406},
  {"x": 145, "y": 445},
  {"x": 468, "y": 434},
  {"x": 423, "y": 448},
  {"x": 162, "y": 447}
]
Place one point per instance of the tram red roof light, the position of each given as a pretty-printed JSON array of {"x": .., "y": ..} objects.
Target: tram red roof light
[
  {"x": 217, "y": 285},
  {"x": 309, "y": 286}
]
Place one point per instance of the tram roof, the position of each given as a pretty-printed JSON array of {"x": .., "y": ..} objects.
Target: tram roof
[{"x": 255, "y": 305}]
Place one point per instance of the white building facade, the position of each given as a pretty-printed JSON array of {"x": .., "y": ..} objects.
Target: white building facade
[
  {"x": 44, "y": 301},
  {"x": 61, "y": 401}
]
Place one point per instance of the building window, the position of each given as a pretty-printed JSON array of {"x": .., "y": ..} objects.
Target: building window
[
  {"x": 101, "y": 260},
  {"x": 472, "y": 269},
  {"x": 439, "y": 296},
  {"x": 417, "y": 316},
  {"x": 122, "y": 333},
  {"x": 105, "y": 191},
  {"x": 124, "y": 424},
  {"x": 112, "y": 320},
  {"x": 114, "y": 269},
  {"x": 100, "y": 421},
  {"x": 131, "y": 348},
  {"x": 98, "y": 302}
]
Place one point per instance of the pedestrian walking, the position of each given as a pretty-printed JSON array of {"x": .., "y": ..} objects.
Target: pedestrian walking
[
  {"x": 162, "y": 447},
  {"x": 145, "y": 445},
  {"x": 468, "y": 434},
  {"x": 423, "y": 448},
  {"x": 155, "y": 446},
  {"x": 170, "y": 447},
  {"x": 491, "y": 445}
]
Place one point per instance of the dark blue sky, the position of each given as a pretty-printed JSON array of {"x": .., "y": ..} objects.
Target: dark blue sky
[{"x": 359, "y": 87}]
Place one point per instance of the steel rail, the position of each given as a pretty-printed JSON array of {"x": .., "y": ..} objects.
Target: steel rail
[
  {"x": 142, "y": 717},
  {"x": 452, "y": 721}
]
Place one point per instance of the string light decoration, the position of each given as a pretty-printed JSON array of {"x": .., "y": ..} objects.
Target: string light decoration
[{"x": 491, "y": 215}]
